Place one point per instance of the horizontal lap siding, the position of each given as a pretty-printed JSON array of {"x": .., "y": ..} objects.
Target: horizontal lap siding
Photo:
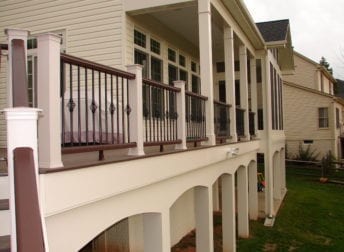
[{"x": 93, "y": 30}]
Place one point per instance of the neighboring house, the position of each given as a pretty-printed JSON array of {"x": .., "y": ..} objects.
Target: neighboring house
[
  {"x": 167, "y": 152},
  {"x": 315, "y": 115}
]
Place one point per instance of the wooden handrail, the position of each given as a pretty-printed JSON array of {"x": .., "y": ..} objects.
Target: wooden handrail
[
  {"x": 160, "y": 85},
  {"x": 192, "y": 94},
  {"x": 96, "y": 66}
]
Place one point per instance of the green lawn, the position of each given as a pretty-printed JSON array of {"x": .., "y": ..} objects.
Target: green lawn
[{"x": 310, "y": 219}]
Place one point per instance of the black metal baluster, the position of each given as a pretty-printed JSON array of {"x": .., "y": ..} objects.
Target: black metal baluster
[
  {"x": 86, "y": 105},
  {"x": 63, "y": 83},
  {"x": 128, "y": 111},
  {"x": 93, "y": 109},
  {"x": 123, "y": 108},
  {"x": 71, "y": 104},
  {"x": 100, "y": 108},
  {"x": 112, "y": 110},
  {"x": 79, "y": 111}
]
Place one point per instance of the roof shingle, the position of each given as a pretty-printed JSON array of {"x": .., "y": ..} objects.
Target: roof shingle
[{"x": 274, "y": 30}]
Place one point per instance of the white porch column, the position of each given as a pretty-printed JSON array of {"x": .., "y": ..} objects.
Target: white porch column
[
  {"x": 48, "y": 94},
  {"x": 277, "y": 176},
  {"x": 268, "y": 155},
  {"x": 136, "y": 116},
  {"x": 206, "y": 63},
  {"x": 216, "y": 199},
  {"x": 166, "y": 231},
  {"x": 204, "y": 219},
  {"x": 252, "y": 191},
  {"x": 13, "y": 34},
  {"x": 230, "y": 78},
  {"x": 21, "y": 132},
  {"x": 228, "y": 213},
  {"x": 283, "y": 172},
  {"x": 244, "y": 88},
  {"x": 181, "y": 123},
  {"x": 254, "y": 99},
  {"x": 136, "y": 240},
  {"x": 152, "y": 232},
  {"x": 242, "y": 187}
]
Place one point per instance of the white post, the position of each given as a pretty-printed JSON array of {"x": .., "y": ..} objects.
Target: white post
[
  {"x": 152, "y": 232},
  {"x": 48, "y": 94},
  {"x": 206, "y": 62},
  {"x": 228, "y": 213},
  {"x": 166, "y": 231},
  {"x": 254, "y": 99},
  {"x": 204, "y": 219},
  {"x": 243, "y": 223},
  {"x": 13, "y": 34},
  {"x": 244, "y": 89},
  {"x": 252, "y": 191},
  {"x": 181, "y": 123},
  {"x": 21, "y": 132},
  {"x": 230, "y": 78},
  {"x": 136, "y": 116}
]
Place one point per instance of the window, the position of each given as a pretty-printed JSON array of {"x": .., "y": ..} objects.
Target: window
[
  {"x": 195, "y": 87},
  {"x": 182, "y": 60},
  {"x": 183, "y": 75},
  {"x": 156, "y": 69},
  {"x": 307, "y": 141},
  {"x": 155, "y": 46},
  {"x": 337, "y": 118},
  {"x": 139, "y": 38},
  {"x": 193, "y": 67},
  {"x": 220, "y": 67},
  {"x": 222, "y": 91},
  {"x": 323, "y": 117},
  {"x": 171, "y": 55},
  {"x": 237, "y": 65},
  {"x": 142, "y": 59},
  {"x": 237, "y": 93}
]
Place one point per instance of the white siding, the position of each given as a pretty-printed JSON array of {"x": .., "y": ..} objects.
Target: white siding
[{"x": 93, "y": 30}]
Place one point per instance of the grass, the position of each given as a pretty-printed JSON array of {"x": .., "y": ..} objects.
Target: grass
[{"x": 310, "y": 219}]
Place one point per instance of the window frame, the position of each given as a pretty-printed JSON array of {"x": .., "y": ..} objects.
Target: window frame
[{"x": 321, "y": 118}]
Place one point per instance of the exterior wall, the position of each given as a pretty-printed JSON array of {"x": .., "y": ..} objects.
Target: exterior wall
[
  {"x": 305, "y": 73},
  {"x": 167, "y": 38},
  {"x": 301, "y": 111},
  {"x": 93, "y": 30}
]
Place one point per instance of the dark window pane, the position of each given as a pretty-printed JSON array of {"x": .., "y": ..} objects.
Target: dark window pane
[
  {"x": 141, "y": 58},
  {"x": 156, "y": 69},
  {"x": 155, "y": 46},
  {"x": 172, "y": 74},
  {"x": 195, "y": 85},
  {"x": 171, "y": 55},
  {"x": 237, "y": 65},
  {"x": 193, "y": 66},
  {"x": 182, "y": 60},
  {"x": 139, "y": 38},
  {"x": 222, "y": 91},
  {"x": 237, "y": 92},
  {"x": 220, "y": 67},
  {"x": 183, "y": 75}
]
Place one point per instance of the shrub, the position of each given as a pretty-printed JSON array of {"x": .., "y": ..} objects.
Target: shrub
[{"x": 306, "y": 154}]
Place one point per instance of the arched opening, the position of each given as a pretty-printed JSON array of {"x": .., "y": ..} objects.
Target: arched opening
[
  {"x": 140, "y": 232},
  {"x": 193, "y": 226}
]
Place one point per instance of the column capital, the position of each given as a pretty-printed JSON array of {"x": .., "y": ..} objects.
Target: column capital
[
  {"x": 49, "y": 37},
  {"x": 204, "y": 6},
  {"x": 17, "y": 33}
]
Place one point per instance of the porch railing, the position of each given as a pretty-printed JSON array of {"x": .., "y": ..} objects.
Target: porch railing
[
  {"x": 195, "y": 117},
  {"x": 240, "y": 125},
  {"x": 159, "y": 113},
  {"x": 94, "y": 106},
  {"x": 251, "y": 123},
  {"x": 221, "y": 120}
]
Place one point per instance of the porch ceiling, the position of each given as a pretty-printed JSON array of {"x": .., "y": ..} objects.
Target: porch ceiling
[{"x": 184, "y": 21}]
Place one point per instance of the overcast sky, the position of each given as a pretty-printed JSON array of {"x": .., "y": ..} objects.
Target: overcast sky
[{"x": 317, "y": 26}]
